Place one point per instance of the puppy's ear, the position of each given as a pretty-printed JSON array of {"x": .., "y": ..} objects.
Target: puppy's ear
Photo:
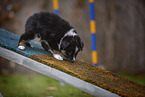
[
  {"x": 81, "y": 46},
  {"x": 65, "y": 44}
]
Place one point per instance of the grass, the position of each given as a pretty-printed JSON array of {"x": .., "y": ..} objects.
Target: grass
[
  {"x": 36, "y": 86},
  {"x": 139, "y": 78},
  {"x": 43, "y": 86}
]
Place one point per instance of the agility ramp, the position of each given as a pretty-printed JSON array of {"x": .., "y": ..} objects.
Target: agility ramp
[{"x": 82, "y": 75}]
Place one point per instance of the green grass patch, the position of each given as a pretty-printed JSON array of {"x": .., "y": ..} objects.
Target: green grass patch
[
  {"x": 139, "y": 78},
  {"x": 36, "y": 86}
]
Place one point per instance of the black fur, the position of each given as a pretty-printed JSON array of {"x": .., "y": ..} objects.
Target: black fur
[{"x": 50, "y": 28}]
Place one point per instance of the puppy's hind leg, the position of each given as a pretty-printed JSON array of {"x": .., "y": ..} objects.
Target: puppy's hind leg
[
  {"x": 24, "y": 39},
  {"x": 28, "y": 44}
]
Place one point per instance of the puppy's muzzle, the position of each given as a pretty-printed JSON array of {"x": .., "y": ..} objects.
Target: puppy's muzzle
[
  {"x": 72, "y": 61},
  {"x": 67, "y": 59}
]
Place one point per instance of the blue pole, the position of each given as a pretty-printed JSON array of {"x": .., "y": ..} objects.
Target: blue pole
[
  {"x": 56, "y": 7},
  {"x": 93, "y": 33}
]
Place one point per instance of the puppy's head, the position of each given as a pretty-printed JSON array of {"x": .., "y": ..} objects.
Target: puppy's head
[{"x": 70, "y": 47}]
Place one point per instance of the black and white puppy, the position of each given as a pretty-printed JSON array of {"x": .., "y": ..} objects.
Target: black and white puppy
[{"x": 56, "y": 35}]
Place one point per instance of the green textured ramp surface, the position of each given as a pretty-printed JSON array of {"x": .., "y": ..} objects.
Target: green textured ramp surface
[
  {"x": 94, "y": 75},
  {"x": 10, "y": 41}
]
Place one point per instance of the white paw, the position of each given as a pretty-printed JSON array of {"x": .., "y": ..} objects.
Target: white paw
[
  {"x": 57, "y": 56},
  {"x": 21, "y": 47}
]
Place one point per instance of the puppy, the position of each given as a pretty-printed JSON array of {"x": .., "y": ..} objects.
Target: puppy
[{"x": 56, "y": 35}]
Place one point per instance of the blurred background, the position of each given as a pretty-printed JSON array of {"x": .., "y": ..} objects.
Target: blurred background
[{"x": 120, "y": 32}]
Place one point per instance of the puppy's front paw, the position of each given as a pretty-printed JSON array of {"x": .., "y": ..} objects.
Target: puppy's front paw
[
  {"x": 21, "y": 47},
  {"x": 57, "y": 56}
]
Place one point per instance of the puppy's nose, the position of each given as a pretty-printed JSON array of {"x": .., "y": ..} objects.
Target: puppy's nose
[{"x": 72, "y": 61}]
